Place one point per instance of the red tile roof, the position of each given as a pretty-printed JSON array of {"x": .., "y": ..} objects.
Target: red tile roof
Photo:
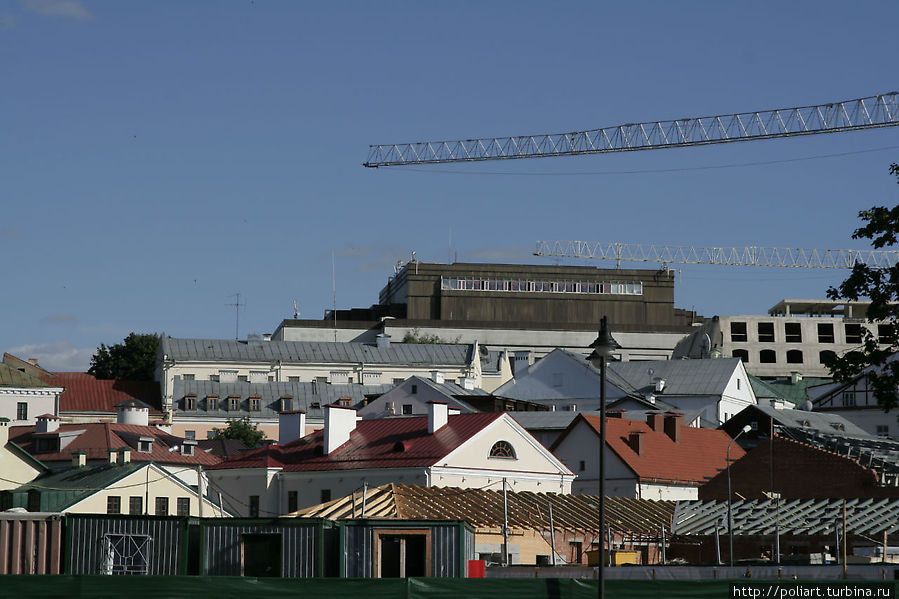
[
  {"x": 85, "y": 393},
  {"x": 698, "y": 456},
  {"x": 378, "y": 443},
  {"x": 98, "y": 438}
]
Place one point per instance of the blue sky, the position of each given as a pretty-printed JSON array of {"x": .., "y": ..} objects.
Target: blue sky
[{"x": 160, "y": 157}]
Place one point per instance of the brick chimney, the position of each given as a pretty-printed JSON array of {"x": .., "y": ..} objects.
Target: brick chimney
[
  {"x": 291, "y": 426},
  {"x": 674, "y": 422},
  {"x": 438, "y": 416},
  {"x": 637, "y": 440},
  {"x": 340, "y": 421},
  {"x": 654, "y": 420},
  {"x": 615, "y": 413},
  {"x": 46, "y": 423},
  {"x": 79, "y": 459}
]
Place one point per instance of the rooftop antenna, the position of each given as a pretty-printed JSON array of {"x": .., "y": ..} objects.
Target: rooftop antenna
[
  {"x": 236, "y": 306},
  {"x": 334, "y": 293}
]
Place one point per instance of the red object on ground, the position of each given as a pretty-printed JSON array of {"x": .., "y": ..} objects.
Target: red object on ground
[{"x": 477, "y": 568}]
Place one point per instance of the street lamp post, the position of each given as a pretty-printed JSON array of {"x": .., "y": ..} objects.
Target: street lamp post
[
  {"x": 730, "y": 517},
  {"x": 602, "y": 350}
]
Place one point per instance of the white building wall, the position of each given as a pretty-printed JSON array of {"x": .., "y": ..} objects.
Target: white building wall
[{"x": 39, "y": 401}]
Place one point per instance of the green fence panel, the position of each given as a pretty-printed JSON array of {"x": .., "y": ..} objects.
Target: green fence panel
[{"x": 222, "y": 587}]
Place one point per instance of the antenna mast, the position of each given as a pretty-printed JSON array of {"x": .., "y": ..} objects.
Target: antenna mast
[{"x": 236, "y": 306}]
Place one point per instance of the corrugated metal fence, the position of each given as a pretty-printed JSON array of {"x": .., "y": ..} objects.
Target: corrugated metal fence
[{"x": 30, "y": 543}]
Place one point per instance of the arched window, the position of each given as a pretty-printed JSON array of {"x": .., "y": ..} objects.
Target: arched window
[
  {"x": 768, "y": 356},
  {"x": 502, "y": 449},
  {"x": 826, "y": 354},
  {"x": 794, "y": 356},
  {"x": 743, "y": 354}
]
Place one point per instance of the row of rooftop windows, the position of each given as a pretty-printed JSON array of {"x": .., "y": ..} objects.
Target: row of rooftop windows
[
  {"x": 262, "y": 376},
  {"x": 537, "y": 286},
  {"x": 769, "y": 356},
  {"x": 792, "y": 332}
]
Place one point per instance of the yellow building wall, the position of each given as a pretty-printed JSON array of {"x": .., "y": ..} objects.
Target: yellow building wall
[
  {"x": 147, "y": 483},
  {"x": 15, "y": 471}
]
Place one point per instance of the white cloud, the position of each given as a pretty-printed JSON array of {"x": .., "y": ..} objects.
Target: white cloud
[
  {"x": 371, "y": 258},
  {"x": 508, "y": 254},
  {"x": 66, "y": 9},
  {"x": 56, "y": 357},
  {"x": 59, "y": 319}
]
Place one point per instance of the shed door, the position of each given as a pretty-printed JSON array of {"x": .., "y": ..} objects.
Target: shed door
[
  {"x": 261, "y": 555},
  {"x": 402, "y": 554}
]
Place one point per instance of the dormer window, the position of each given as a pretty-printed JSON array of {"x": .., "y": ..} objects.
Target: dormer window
[
  {"x": 212, "y": 403},
  {"x": 145, "y": 445},
  {"x": 287, "y": 405},
  {"x": 47, "y": 444},
  {"x": 255, "y": 404},
  {"x": 187, "y": 447},
  {"x": 190, "y": 402},
  {"x": 233, "y": 403},
  {"x": 502, "y": 449}
]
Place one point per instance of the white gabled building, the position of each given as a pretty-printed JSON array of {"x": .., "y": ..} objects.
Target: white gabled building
[
  {"x": 442, "y": 449},
  {"x": 714, "y": 388}
]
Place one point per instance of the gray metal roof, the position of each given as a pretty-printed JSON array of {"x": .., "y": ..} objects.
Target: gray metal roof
[
  {"x": 869, "y": 517},
  {"x": 313, "y": 352},
  {"x": 823, "y": 422},
  {"x": 449, "y": 388},
  {"x": 682, "y": 377},
  {"x": 308, "y": 396}
]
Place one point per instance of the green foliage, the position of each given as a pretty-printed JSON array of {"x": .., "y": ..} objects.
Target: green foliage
[
  {"x": 881, "y": 286},
  {"x": 132, "y": 360},
  {"x": 416, "y": 336},
  {"x": 242, "y": 429}
]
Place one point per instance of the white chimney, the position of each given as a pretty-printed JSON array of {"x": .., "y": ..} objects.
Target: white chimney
[
  {"x": 132, "y": 411},
  {"x": 438, "y": 377},
  {"x": 113, "y": 456},
  {"x": 340, "y": 421},
  {"x": 660, "y": 385},
  {"x": 46, "y": 423},
  {"x": 382, "y": 341},
  {"x": 4, "y": 432},
  {"x": 466, "y": 383},
  {"x": 438, "y": 416},
  {"x": 291, "y": 426},
  {"x": 124, "y": 455}
]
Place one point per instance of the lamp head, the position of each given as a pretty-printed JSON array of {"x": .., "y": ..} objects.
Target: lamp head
[{"x": 604, "y": 344}]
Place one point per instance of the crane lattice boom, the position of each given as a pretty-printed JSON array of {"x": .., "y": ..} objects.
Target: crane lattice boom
[
  {"x": 849, "y": 115},
  {"x": 730, "y": 256}
]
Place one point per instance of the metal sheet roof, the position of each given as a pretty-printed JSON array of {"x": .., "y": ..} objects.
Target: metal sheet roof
[
  {"x": 793, "y": 517},
  {"x": 12, "y": 377},
  {"x": 313, "y": 352}
]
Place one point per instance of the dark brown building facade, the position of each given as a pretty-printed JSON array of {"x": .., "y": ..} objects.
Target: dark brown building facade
[{"x": 555, "y": 296}]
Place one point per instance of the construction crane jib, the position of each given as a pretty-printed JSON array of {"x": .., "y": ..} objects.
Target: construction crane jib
[
  {"x": 729, "y": 256},
  {"x": 849, "y": 115}
]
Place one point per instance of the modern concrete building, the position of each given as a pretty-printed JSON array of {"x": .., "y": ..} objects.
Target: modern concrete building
[
  {"x": 794, "y": 337},
  {"x": 515, "y": 307}
]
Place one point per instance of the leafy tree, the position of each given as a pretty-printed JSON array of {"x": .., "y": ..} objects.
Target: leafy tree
[
  {"x": 132, "y": 360},
  {"x": 416, "y": 336},
  {"x": 242, "y": 429},
  {"x": 881, "y": 286}
]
